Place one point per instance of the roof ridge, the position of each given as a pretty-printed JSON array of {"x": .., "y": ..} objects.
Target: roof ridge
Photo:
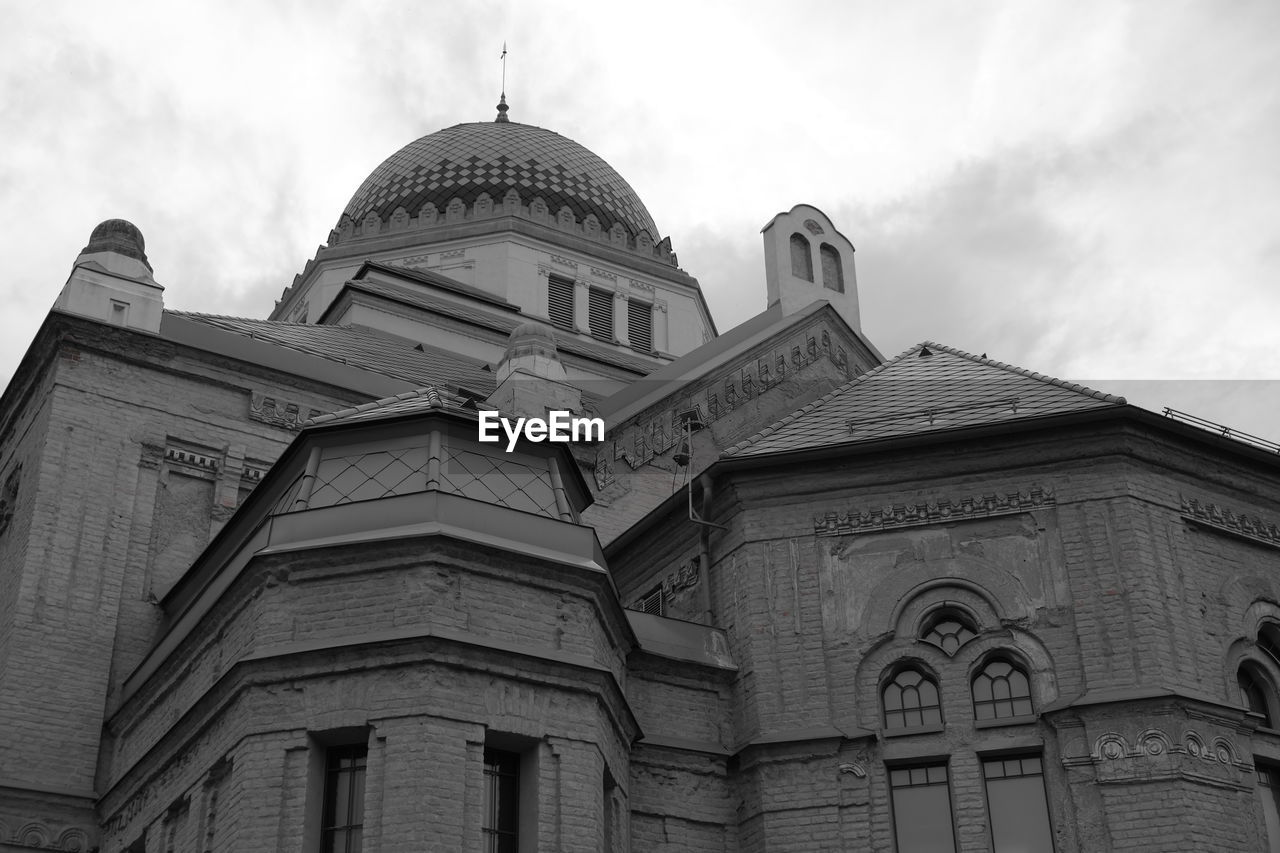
[
  {"x": 435, "y": 399},
  {"x": 1031, "y": 374},
  {"x": 207, "y": 316},
  {"x": 813, "y": 404}
]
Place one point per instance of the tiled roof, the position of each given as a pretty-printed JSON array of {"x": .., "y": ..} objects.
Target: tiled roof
[
  {"x": 503, "y": 322},
  {"x": 362, "y": 347},
  {"x": 425, "y": 399},
  {"x": 929, "y": 388},
  {"x": 466, "y": 160}
]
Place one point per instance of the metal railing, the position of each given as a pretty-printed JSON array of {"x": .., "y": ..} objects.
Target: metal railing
[{"x": 1224, "y": 431}]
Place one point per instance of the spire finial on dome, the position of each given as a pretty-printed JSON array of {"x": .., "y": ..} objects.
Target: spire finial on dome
[{"x": 502, "y": 99}]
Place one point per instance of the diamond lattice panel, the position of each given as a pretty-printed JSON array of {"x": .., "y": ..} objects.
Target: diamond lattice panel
[
  {"x": 466, "y": 160},
  {"x": 500, "y": 481},
  {"x": 369, "y": 476}
]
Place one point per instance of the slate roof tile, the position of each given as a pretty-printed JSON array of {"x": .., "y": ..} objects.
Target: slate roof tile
[
  {"x": 363, "y": 347},
  {"x": 929, "y": 388}
]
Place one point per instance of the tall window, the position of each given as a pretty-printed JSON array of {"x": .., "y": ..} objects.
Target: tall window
[
  {"x": 922, "y": 809},
  {"x": 1001, "y": 689},
  {"x": 832, "y": 271},
  {"x": 801, "y": 260},
  {"x": 600, "y": 313},
  {"x": 560, "y": 302},
  {"x": 640, "y": 325},
  {"x": 1269, "y": 793},
  {"x": 1254, "y": 690},
  {"x": 911, "y": 700},
  {"x": 501, "y": 801},
  {"x": 343, "y": 818},
  {"x": 1017, "y": 806}
]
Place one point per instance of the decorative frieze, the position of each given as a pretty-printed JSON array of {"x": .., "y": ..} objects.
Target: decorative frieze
[
  {"x": 1154, "y": 743},
  {"x": 939, "y": 512},
  {"x": 271, "y": 410},
  {"x": 564, "y": 262},
  {"x": 204, "y": 461},
  {"x": 640, "y": 441},
  {"x": 604, "y": 274},
  {"x": 1223, "y": 520}
]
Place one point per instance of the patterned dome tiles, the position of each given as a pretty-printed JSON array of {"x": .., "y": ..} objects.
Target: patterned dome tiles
[{"x": 466, "y": 160}]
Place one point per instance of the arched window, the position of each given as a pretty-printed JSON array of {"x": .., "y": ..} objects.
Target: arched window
[
  {"x": 911, "y": 700},
  {"x": 1255, "y": 690},
  {"x": 801, "y": 260},
  {"x": 948, "y": 630},
  {"x": 1001, "y": 690},
  {"x": 832, "y": 271},
  {"x": 1269, "y": 640}
]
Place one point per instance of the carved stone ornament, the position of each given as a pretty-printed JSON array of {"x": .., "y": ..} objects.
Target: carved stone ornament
[
  {"x": 1151, "y": 744},
  {"x": 1225, "y": 521},
  {"x": 276, "y": 412},
  {"x": 941, "y": 512}
]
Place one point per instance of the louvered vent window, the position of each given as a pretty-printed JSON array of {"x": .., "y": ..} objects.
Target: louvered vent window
[
  {"x": 600, "y": 314},
  {"x": 560, "y": 302},
  {"x": 640, "y": 325},
  {"x": 652, "y": 602}
]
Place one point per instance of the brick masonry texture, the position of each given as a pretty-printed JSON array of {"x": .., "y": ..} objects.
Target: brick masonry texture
[{"x": 1130, "y": 616}]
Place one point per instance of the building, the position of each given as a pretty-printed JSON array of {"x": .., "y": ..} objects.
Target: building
[{"x": 264, "y": 588}]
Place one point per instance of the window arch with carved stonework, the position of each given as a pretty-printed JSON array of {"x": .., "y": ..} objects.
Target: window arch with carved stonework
[
  {"x": 948, "y": 629},
  {"x": 1001, "y": 690},
  {"x": 1257, "y": 692},
  {"x": 910, "y": 699}
]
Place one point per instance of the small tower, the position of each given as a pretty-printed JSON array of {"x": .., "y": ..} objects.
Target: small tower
[
  {"x": 531, "y": 379},
  {"x": 807, "y": 259},
  {"x": 112, "y": 282}
]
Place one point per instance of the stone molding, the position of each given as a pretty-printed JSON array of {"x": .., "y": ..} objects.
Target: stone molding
[
  {"x": 1220, "y": 519},
  {"x": 277, "y": 412},
  {"x": 736, "y": 384},
  {"x": 38, "y": 836},
  {"x": 1153, "y": 743},
  {"x": 895, "y": 516}
]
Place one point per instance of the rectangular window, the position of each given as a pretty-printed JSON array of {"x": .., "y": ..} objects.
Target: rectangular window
[
  {"x": 343, "y": 821},
  {"x": 922, "y": 809},
  {"x": 1269, "y": 793},
  {"x": 1017, "y": 806},
  {"x": 501, "y": 801},
  {"x": 640, "y": 325},
  {"x": 600, "y": 313},
  {"x": 560, "y": 302}
]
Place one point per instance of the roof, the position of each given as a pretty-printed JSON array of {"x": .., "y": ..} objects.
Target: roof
[
  {"x": 503, "y": 322},
  {"x": 400, "y": 358},
  {"x": 466, "y": 160},
  {"x": 436, "y": 279},
  {"x": 716, "y": 353},
  {"x": 929, "y": 388},
  {"x": 427, "y": 399}
]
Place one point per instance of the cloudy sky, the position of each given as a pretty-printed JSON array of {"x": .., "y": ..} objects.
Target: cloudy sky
[{"x": 1090, "y": 190}]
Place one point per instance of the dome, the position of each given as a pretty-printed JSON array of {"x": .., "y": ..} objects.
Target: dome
[
  {"x": 120, "y": 236},
  {"x": 467, "y": 160}
]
